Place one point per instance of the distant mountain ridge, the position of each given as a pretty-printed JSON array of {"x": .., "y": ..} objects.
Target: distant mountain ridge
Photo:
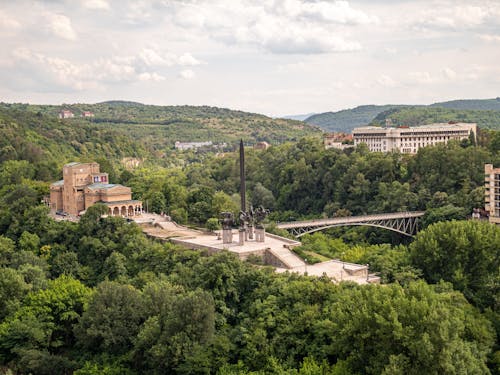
[
  {"x": 347, "y": 119},
  {"x": 298, "y": 117}
]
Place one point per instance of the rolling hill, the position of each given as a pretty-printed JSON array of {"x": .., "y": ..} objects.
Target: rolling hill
[
  {"x": 348, "y": 119},
  {"x": 127, "y": 129}
]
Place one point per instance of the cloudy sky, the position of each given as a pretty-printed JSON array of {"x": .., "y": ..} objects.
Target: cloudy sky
[{"x": 274, "y": 57}]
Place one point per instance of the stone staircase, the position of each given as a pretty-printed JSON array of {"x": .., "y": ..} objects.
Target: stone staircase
[{"x": 283, "y": 257}]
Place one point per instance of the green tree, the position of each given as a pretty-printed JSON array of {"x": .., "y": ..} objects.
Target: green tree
[
  {"x": 465, "y": 253},
  {"x": 111, "y": 320},
  {"x": 213, "y": 224},
  {"x": 13, "y": 288}
]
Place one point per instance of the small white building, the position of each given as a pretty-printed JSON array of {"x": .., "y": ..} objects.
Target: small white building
[
  {"x": 191, "y": 145},
  {"x": 408, "y": 139},
  {"x": 66, "y": 114}
]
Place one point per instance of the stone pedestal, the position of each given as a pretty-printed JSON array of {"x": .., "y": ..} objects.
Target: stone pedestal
[
  {"x": 242, "y": 234},
  {"x": 260, "y": 234},
  {"x": 227, "y": 236},
  {"x": 250, "y": 232}
]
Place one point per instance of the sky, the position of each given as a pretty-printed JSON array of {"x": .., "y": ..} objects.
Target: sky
[{"x": 276, "y": 57}]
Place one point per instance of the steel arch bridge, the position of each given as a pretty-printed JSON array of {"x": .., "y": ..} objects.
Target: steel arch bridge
[{"x": 406, "y": 223}]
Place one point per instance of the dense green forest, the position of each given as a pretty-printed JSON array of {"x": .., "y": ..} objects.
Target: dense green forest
[
  {"x": 98, "y": 297},
  {"x": 485, "y": 112},
  {"x": 347, "y": 119},
  {"x": 413, "y": 116},
  {"x": 471, "y": 104}
]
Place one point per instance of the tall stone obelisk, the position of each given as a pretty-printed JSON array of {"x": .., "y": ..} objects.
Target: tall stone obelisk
[
  {"x": 242, "y": 230},
  {"x": 242, "y": 178}
]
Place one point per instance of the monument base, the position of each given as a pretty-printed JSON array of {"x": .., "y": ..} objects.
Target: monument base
[
  {"x": 227, "y": 236},
  {"x": 260, "y": 234},
  {"x": 242, "y": 234},
  {"x": 250, "y": 232}
]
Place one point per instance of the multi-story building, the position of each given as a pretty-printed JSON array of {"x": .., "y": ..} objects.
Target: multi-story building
[
  {"x": 409, "y": 140},
  {"x": 84, "y": 185},
  {"x": 492, "y": 192}
]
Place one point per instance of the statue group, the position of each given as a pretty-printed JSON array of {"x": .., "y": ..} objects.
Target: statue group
[{"x": 253, "y": 217}]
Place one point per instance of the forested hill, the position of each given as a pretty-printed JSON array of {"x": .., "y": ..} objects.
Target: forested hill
[
  {"x": 128, "y": 130},
  {"x": 482, "y": 111},
  {"x": 160, "y": 126},
  {"x": 221, "y": 124},
  {"x": 348, "y": 119},
  {"x": 427, "y": 115},
  {"x": 471, "y": 104}
]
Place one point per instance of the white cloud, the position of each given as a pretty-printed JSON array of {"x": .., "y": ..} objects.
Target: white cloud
[
  {"x": 386, "y": 81},
  {"x": 188, "y": 60},
  {"x": 60, "y": 25},
  {"x": 8, "y": 24},
  {"x": 490, "y": 37},
  {"x": 452, "y": 16},
  {"x": 421, "y": 77},
  {"x": 80, "y": 76},
  {"x": 96, "y": 4},
  {"x": 151, "y": 57},
  {"x": 187, "y": 74},
  {"x": 449, "y": 73},
  {"x": 336, "y": 12},
  {"x": 151, "y": 77},
  {"x": 282, "y": 26}
]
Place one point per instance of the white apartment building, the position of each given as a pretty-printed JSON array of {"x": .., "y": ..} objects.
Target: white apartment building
[
  {"x": 492, "y": 192},
  {"x": 409, "y": 139}
]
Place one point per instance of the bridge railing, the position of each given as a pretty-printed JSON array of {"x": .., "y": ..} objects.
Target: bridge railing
[{"x": 351, "y": 219}]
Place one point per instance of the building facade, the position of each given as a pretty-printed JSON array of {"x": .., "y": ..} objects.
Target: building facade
[
  {"x": 191, "y": 145},
  {"x": 492, "y": 193},
  {"x": 66, "y": 114},
  {"x": 84, "y": 185},
  {"x": 409, "y": 140},
  {"x": 261, "y": 146}
]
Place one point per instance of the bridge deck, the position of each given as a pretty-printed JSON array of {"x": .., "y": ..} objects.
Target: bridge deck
[{"x": 349, "y": 219}]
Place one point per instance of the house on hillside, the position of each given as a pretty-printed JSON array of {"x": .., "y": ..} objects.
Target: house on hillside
[
  {"x": 65, "y": 113},
  {"x": 87, "y": 114},
  {"x": 261, "y": 146},
  {"x": 340, "y": 141}
]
